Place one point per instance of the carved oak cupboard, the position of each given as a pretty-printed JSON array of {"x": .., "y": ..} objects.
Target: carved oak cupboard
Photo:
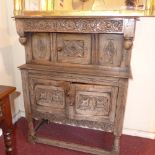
[{"x": 76, "y": 73}]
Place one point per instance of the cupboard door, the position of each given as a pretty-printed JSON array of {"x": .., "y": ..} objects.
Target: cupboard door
[
  {"x": 74, "y": 48},
  {"x": 110, "y": 49},
  {"x": 94, "y": 103},
  {"x": 48, "y": 96}
]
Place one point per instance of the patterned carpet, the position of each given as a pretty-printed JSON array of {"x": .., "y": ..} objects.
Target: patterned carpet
[{"x": 129, "y": 145}]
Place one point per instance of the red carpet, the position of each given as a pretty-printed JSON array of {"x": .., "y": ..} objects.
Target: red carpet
[{"x": 129, "y": 145}]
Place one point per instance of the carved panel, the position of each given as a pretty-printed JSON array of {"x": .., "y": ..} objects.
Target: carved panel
[
  {"x": 47, "y": 96},
  {"x": 110, "y": 49},
  {"x": 50, "y": 96},
  {"x": 94, "y": 103},
  {"x": 41, "y": 46},
  {"x": 74, "y": 48},
  {"x": 89, "y": 25}
]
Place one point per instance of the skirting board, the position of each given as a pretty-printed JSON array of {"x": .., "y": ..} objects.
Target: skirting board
[
  {"x": 131, "y": 132},
  {"x": 138, "y": 133}
]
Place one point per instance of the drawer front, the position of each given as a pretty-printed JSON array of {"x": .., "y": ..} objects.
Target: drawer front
[
  {"x": 94, "y": 103},
  {"x": 74, "y": 48},
  {"x": 110, "y": 49},
  {"x": 48, "y": 96}
]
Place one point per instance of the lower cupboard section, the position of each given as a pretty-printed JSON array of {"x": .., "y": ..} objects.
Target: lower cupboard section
[{"x": 76, "y": 104}]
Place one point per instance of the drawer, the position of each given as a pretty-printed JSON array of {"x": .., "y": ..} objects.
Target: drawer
[
  {"x": 73, "y": 48},
  {"x": 48, "y": 96},
  {"x": 93, "y": 102}
]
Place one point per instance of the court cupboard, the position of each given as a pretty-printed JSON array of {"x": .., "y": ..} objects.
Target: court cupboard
[{"x": 76, "y": 72}]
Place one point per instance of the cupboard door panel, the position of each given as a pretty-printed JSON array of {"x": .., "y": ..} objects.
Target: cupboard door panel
[
  {"x": 94, "y": 103},
  {"x": 110, "y": 49},
  {"x": 47, "y": 96},
  {"x": 74, "y": 48}
]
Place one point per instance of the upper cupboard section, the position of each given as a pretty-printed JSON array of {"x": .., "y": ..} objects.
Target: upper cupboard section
[{"x": 73, "y": 48}]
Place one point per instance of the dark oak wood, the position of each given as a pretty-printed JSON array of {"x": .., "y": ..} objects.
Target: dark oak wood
[
  {"x": 76, "y": 73},
  {"x": 6, "y": 119}
]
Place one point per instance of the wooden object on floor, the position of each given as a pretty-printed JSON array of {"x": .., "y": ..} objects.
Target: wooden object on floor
[
  {"x": 6, "y": 119},
  {"x": 76, "y": 73}
]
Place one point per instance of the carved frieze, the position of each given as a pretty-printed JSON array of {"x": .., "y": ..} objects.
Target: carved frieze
[
  {"x": 90, "y": 25},
  {"x": 104, "y": 126}
]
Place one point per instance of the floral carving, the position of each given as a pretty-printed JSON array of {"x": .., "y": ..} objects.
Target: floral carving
[{"x": 90, "y": 25}]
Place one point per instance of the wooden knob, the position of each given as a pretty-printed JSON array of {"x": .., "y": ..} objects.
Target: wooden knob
[
  {"x": 128, "y": 43},
  {"x": 59, "y": 49}
]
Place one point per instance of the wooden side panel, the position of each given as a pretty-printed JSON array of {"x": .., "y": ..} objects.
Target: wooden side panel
[
  {"x": 41, "y": 47},
  {"x": 74, "y": 48},
  {"x": 110, "y": 49}
]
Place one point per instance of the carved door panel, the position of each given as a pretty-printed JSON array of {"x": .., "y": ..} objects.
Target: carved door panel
[
  {"x": 94, "y": 103},
  {"x": 74, "y": 48},
  {"x": 48, "y": 96},
  {"x": 110, "y": 49}
]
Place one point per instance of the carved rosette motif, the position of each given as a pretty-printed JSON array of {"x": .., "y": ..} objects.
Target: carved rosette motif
[{"x": 73, "y": 25}]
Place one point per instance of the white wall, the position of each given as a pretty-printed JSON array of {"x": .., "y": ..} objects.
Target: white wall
[
  {"x": 140, "y": 110},
  {"x": 11, "y": 53}
]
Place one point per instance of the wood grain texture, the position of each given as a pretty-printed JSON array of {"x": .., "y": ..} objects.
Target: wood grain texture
[
  {"x": 76, "y": 73},
  {"x": 6, "y": 119}
]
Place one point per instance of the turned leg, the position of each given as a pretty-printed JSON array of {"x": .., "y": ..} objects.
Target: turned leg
[
  {"x": 31, "y": 131},
  {"x": 8, "y": 141},
  {"x": 7, "y": 127},
  {"x": 116, "y": 146}
]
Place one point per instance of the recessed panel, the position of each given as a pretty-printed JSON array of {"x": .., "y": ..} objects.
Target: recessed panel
[
  {"x": 74, "y": 48},
  {"x": 110, "y": 49},
  {"x": 41, "y": 47}
]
